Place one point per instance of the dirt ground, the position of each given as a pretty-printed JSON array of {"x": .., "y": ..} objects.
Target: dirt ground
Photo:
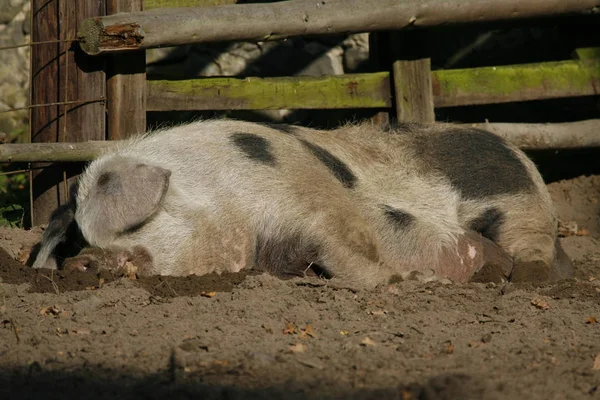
[{"x": 254, "y": 336}]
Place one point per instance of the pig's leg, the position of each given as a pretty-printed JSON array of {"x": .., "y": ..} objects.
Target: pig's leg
[
  {"x": 347, "y": 249},
  {"x": 528, "y": 234}
]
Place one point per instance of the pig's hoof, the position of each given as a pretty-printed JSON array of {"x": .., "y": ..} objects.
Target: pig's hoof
[
  {"x": 497, "y": 264},
  {"x": 491, "y": 272}
]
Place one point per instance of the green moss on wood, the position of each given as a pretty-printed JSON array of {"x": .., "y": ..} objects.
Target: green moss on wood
[
  {"x": 328, "y": 92},
  {"x": 150, "y": 4},
  {"x": 487, "y": 85},
  {"x": 588, "y": 53},
  {"x": 515, "y": 83}
]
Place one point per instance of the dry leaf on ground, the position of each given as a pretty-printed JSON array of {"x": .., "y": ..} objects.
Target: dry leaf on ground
[
  {"x": 208, "y": 294},
  {"x": 597, "y": 362},
  {"x": 448, "y": 347},
  {"x": 367, "y": 341},
  {"x": 23, "y": 255},
  {"x": 540, "y": 303},
  {"x": 130, "y": 270},
  {"x": 307, "y": 331},
  {"x": 298, "y": 348},
  {"x": 289, "y": 329},
  {"x": 50, "y": 310},
  {"x": 571, "y": 228}
]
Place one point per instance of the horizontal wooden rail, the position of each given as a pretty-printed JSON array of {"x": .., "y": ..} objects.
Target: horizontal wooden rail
[
  {"x": 491, "y": 85},
  {"x": 53, "y": 152},
  {"x": 565, "y": 135},
  {"x": 274, "y": 21},
  {"x": 486, "y": 85},
  {"x": 569, "y": 135},
  {"x": 328, "y": 92},
  {"x": 150, "y": 4}
]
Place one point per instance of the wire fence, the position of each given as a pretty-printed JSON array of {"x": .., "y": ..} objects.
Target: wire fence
[{"x": 63, "y": 57}]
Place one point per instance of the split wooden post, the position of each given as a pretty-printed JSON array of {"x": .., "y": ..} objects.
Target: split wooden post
[
  {"x": 126, "y": 83},
  {"x": 411, "y": 72},
  {"x": 60, "y": 72}
]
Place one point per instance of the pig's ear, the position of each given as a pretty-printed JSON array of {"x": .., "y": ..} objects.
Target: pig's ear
[{"x": 123, "y": 198}]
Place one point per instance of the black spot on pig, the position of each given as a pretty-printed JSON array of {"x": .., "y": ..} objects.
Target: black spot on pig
[
  {"x": 488, "y": 224},
  {"x": 400, "y": 219},
  {"x": 339, "y": 169},
  {"x": 254, "y": 147},
  {"x": 477, "y": 163}
]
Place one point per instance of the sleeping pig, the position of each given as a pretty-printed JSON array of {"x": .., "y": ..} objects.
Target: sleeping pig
[{"x": 360, "y": 205}]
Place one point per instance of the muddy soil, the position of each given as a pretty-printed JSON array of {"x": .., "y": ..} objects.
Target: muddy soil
[{"x": 254, "y": 336}]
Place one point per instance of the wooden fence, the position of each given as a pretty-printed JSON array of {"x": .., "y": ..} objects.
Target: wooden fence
[{"x": 81, "y": 97}]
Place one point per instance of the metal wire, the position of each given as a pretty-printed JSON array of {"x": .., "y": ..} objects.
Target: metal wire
[
  {"x": 58, "y": 103},
  {"x": 20, "y": 171},
  {"x": 66, "y": 106},
  {"x": 29, "y": 133},
  {"x": 63, "y": 134},
  {"x": 16, "y": 46}
]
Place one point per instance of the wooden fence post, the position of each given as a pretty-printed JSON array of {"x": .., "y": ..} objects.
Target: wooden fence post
[
  {"x": 411, "y": 76},
  {"x": 60, "y": 72},
  {"x": 126, "y": 83}
]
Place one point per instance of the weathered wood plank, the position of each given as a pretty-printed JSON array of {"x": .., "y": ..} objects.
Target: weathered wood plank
[
  {"x": 328, "y": 92},
  {"x": 274, "y": 21},
  {"x": 413, "y": 92},
  {"x": 126, "y": 84},
  {"x": 411, "y": 77},
  {"x": 568, "y": 135},
  {"x": 54, "y": 152},
  {"x": 44, "y": 89},
  {"x": 150, "y": 4},
  {"x": 61, "y": 72},
  {"x": 486, "y": 85},
  {"x": 490, "y": 85}
]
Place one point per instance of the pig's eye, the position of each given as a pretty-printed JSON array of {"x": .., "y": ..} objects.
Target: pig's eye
[{"x": 109, "y": 183}]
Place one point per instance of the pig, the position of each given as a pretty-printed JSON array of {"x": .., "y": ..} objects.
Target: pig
[{"x": 360, "y": 205}]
